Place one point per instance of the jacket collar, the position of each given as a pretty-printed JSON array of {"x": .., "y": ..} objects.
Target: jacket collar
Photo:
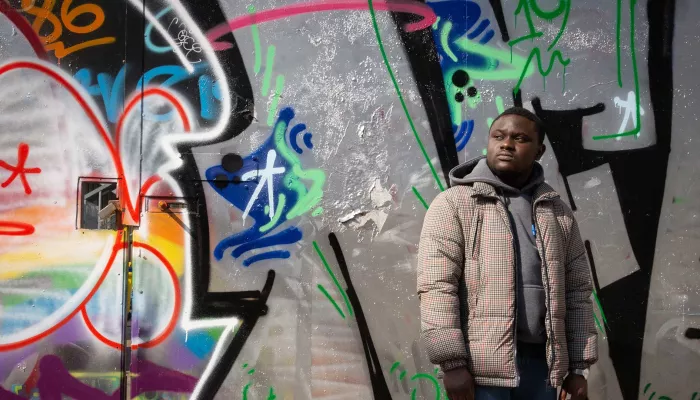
[{"x": 542, "y": 192}]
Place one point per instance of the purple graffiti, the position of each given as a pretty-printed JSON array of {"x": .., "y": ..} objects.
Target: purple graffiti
[{"x": 55, "y": 381}]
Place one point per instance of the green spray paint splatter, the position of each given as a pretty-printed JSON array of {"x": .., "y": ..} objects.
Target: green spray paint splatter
[
  {"x": 497, "y": 58},
  {"x": 537, "y": 53},
  {"x": 256, "y": 41},
  {"x": 395, "y": 365},
  {"x": 281, "y": 201},
  {"x": 330, "y": 298},
  {"x": 307, "y": 199},
  {"x": 633, "y": 54},
  {"x": 597, "y": 323},
  {"x": 429, "y": 378},
  {"x": 335, "y": 279},
  {"x": 528, "y": 6},
  {"x": 444, "y": 35},
  {"x": 272, "y": 109},
  {"x": 317, "y": 212},
  {"x": 269, "y": 64},
  {"x": 600, "y": 308},
  {"x": 400, "y": 96},
  {"x": 420, "y": 198}
]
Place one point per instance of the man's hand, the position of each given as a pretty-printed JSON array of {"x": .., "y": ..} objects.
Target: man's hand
[
  {"x": 576, "y": 386},
  {"x": 459, "y": 384}
]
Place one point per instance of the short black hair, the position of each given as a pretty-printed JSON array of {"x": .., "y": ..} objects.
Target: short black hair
[{"x": 525, "y": 113}]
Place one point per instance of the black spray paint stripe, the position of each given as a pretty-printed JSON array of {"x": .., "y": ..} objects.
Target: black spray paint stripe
[
  {"x": 225, "y": 362},
  {"x": 380, "y": 388}
]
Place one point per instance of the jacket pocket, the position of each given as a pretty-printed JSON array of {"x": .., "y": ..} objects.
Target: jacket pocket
[{"x": 476, "y": 236}]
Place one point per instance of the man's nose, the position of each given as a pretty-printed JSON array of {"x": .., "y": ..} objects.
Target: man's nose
[{"x": 507, "y": 143}]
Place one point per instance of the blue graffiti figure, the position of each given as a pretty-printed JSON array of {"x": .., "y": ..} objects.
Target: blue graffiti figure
[
  {"x": 267, "y": 185},
  {"x": 455, "y": 20}
]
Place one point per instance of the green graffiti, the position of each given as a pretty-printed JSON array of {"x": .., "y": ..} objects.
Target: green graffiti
[
  {"x": 662, "y": 397},
  {"x": 272, "y": 108},
  {"x": 536, "y": 52},
  {"x": 439, "y": 391},
  {"x": 420, "y": 198},
  {"x": 317, "y": 212},
  {"x": 256, "y": 41},
  {"x": 635, "y": 73},
  {"x": 330, "y": 298},
  {"x": 380, "y": 43},
  {"x": 281, "y": 200},
  {"x": 269, "y": 64},
  {"x": 498, "y": 59},
  {"x": 432, "y": 380},
  {"x": 435, "y": 24},
  {"x": 271, "y": 394},
  {"x": 395, "y": 365},
  {"x": 600, "y": 308},
  {"x": 444, "y": 35},
  {"x": 335, "y": 281},
  {"x": 306, "y": 199},
  {"x": 526, "y": 7},
  {"x": 597, "y": 323}
]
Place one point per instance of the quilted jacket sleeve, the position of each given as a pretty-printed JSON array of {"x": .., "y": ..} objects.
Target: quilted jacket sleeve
[
  {"x": 440, "y": 265},
  {"x": 581, "y": 334}
]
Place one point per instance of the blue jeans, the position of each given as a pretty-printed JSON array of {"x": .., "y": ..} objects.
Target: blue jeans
[{"x": 532, "y": 367}]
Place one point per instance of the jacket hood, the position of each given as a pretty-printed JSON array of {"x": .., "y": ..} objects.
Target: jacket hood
[{"x": 476, "y": 170}]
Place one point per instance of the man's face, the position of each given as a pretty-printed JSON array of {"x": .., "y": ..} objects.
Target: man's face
[{"x": 513, "y": 145}]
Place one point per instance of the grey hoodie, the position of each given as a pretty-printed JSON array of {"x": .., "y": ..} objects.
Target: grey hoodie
[{"x": 531, "y": 304}]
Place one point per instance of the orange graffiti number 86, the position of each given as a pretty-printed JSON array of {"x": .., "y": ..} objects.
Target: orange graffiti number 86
[{"x": 44, "y": 13}]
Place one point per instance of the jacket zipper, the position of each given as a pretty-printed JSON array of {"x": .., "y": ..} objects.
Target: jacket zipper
[
  {"x": 550, "y": 335},
  {"x": 515, "y": 275}
]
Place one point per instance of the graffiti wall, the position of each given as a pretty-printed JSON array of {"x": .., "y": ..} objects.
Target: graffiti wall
[{"x": 223, "y": 199}]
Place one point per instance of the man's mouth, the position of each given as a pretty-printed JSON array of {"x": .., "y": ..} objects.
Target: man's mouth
[{"x": 504, "y": 156}]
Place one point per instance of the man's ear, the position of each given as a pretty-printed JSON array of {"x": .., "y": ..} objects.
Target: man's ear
[{"x": 541, "y": 151}]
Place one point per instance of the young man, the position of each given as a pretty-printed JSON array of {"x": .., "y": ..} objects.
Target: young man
[{"x": 503, "y": 278}]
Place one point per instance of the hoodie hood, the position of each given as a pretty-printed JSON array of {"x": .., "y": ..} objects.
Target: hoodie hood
[{"x": 476, "y": 170}]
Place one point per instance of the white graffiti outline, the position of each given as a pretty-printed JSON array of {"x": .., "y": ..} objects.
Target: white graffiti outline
[
  {"x": 266, "y": 177},
  {"x": 164, "y": 33},
  {"x": 187, "y": 323},
  {"x": 630, "y": 106}
]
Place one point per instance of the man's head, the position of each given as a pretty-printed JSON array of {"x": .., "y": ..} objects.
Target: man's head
[{"x": 515, "y": 142}]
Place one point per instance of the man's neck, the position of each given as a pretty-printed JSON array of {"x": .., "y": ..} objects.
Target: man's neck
[{"x": 517, "y": 181}]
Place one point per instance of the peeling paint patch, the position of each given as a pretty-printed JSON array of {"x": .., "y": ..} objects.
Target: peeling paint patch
[
  {"x": 591, "y": 183},
  {"x": 379, "y": 196}
]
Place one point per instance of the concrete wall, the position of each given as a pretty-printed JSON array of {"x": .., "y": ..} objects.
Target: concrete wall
[{"x": 273, "y": 162}]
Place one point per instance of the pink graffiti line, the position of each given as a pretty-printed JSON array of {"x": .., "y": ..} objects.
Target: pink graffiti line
[{"x": 404, "y": 6}]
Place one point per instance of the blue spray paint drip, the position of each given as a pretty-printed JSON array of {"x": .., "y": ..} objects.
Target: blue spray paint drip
[
  {"x": 238, "y": 188},
  {"x": 147, "y": 34},
  {"x": 464, "y": 132},
  {"x": 200, "y": 343},
  {"x": 293, "y": 133},
  {"x": 246, "y": 242},
  {"x": 307, "y": 140},
  {"x": 112, "y": 89},
  {"x": 209, "y": 91},
  {"x": 266, "y": 256}
]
